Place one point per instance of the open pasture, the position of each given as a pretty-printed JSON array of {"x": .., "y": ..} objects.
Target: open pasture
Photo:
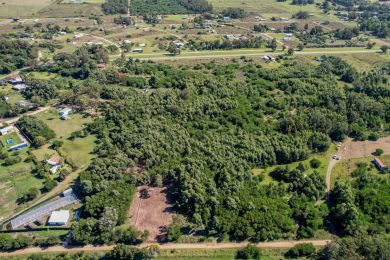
[{"x": 16, "y": 8}]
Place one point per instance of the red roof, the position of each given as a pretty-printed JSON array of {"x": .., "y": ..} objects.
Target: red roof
[
  {"x": 379, "y": 163},
  {"x": 54, "y": 160}
]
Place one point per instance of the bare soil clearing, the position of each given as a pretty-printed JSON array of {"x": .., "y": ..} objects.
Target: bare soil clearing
[
  {"x": 353, "y": 150},
  {"x": 151, "y": 211},
  {"x": 362, "y": 149}
]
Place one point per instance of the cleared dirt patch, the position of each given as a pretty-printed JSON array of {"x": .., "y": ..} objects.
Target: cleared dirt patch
[
  {"x": 361, "y": 149},
  {"x": 151, "y": 211}
]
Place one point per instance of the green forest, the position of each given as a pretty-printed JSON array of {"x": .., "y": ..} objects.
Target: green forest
[{"x": 201, "y": 130}]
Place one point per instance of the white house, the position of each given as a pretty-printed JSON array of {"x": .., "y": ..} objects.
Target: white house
[
  {"x": 7, "y": 130},
  {"x": 54, "y": 169},
  {"x": 19, "y": 87},
  {"x": 59, "y": 218},
  {"x": 65, "y": 111}
]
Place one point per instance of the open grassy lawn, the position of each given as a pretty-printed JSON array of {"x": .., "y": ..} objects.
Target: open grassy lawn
[
  {"x": 10, "y": 140},
  {"x": 267, "y": 8},
  {"x": 323, "y": 157},
  {"x": 342, "y": 171},
  {"x": 15, "y": 180},
  {"x": 13, "y": 96},
  {"x": 63, "y": 128},
  {"x": 20, "y": 8},
  {"x": 365, "y": 61},
  {"x": 71, "y": 10},
  {"x": 77, "y": 151}
]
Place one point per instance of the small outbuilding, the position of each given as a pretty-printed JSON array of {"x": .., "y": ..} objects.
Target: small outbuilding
[
  {"x": 18, "y": 146},
  {"x": 7, "y": 130},
  {"x": 379, "y": 164},
  {"x": 19, "y": 87},
  {"x": 59, "y": 218}
]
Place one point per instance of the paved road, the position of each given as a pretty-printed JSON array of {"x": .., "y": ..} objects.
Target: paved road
[
  {"x": 168, "y": 246},
  {"x": 248, "y": 54}
]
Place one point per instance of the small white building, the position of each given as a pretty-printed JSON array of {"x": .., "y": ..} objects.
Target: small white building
[
  {"x": 67, "y": 192},
  {"x": 19, "y": 87},
  {"x": 7, "y": 130},
  {"x": 227, "y": 19},
  {"x": 79, "y": 35},
  {"x": 59, "y": 218},
  {"x": 65, "y": 111},
  {"x": 54, "y": 169}
]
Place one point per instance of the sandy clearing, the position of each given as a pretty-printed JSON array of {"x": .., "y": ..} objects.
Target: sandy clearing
[
  {"x": 360, "y": 149},
  {"x": 152, "y": 213}
]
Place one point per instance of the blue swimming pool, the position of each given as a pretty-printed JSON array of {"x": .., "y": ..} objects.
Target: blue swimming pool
[{"x": 10, "y": 141}]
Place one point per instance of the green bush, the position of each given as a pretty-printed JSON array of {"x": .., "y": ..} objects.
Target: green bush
[
  {"x": 301, "y": 250},
  {"x": 249, "y": 252},
  {"x": 315, "y": 163}
]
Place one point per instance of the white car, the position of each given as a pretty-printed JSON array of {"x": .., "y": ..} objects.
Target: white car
[{"x": 336, "y": 157}]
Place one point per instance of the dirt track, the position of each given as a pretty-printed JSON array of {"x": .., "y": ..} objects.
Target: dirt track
[{"x": 168, "y": 246}]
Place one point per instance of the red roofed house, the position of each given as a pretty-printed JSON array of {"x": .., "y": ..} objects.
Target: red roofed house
[
  {"x": 379, "y": 164},
  {"x": 54, "y": 161}
]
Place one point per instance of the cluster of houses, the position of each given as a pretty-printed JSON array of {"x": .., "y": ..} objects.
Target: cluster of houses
[{"x": 18, "y": 83}]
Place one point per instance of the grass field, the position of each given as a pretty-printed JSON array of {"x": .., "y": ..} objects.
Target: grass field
[
  {"x": 16, "y": 8},
  {"x": 178, "y": 254},
  {"x": 269, "y": 8},
  {"x": 78, "y": 151},
  {"x": 15, "y": 139},
  {"x": 323, "y": 157},
  {"x": 342, "y": 171},
  {"x": 15, "y": 180}
]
